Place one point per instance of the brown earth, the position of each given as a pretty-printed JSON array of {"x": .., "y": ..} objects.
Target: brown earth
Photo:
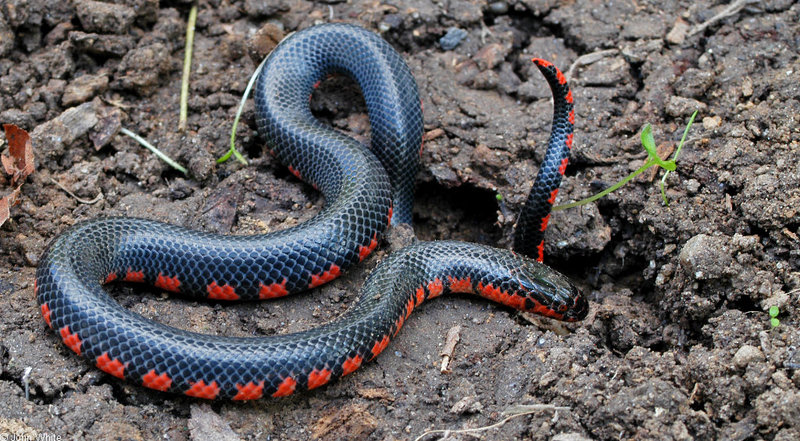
[{"x": 678, "y": 344}]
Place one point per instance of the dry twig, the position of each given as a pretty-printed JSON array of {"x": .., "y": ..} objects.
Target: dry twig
[
  {"x": 731, "y": 10},
  {"x": 96, "y": 199},
  {"x": 516, "y": 411}
]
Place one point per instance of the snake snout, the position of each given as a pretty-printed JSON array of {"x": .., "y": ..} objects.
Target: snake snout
[
  {"x": 555, "y": 294},
  {"x": 579, "y": 307}
]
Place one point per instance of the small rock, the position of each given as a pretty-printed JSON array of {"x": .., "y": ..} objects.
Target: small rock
[
  {"x": 142, "y": 67},
  {"x": 639, "y": 51},
  {"x": 776, "y": 408},
  {"x": 466, "y": 12},
  {"x": 677, "y": 35},
  {"x": 680, "y": 106},
  {"x": 201, "y": 165},
  {"x": 17, "y": 117},
  {"x": 54, "y": 62},
  {"x": 105, "y": 18},
  {"x": 170, "y": 24},
  {"x": 58, "y": 33},
  {"x": 352, "y": 422},
  {"x": 747, "y": 354},
  {"x": 264, "y": 41},
  {"x": 692, "y": 186},
  {"x": 84, "y": 88},
  {"x": 400, "y": 236},
  {"x": 694, "y": 83},
  {"x": 106, "y": 128},
  {"x": 261, "y": 9},
  {"x": 706, "y": 257},
  {"x": 391, "y": 21},
  {"x": 114, "y": 429},
  {"x": 452, "y": 38},
  {"x": 205, "y": 424},
  {"x": 444, "y": 174},
  {"x": 490, "y": 55},
  {"x": 469, "y": 404},
  {"x": 51, "y": 93},
  {"x": 498, "y": 8},
  {"x": 466, "y": 71},
  {"x": 779, "y": 299},
  {"x": 747, "y": 87},
  {"x": 37, "y": 110},
  {"x": 17, "y": 13},
  {"x": 781, "y": 380},
  {"x": 493, "y": 158},
  {"x": 711, "y": 122},
  {"x": 147, "y": 11},
  {"x": 103, "y": 45},
  {"x": 508, "y": 81},
  {"x": 55, "y": 135}
]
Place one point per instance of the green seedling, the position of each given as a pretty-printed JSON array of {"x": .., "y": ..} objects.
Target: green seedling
[
  {"x": 156, "y": 151},
  {"x": 774, "y": 311},
  {"x": 649, "y": 144},
  {"x": 232, "y": 151}
]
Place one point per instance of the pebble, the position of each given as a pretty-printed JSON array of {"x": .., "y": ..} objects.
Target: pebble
[
  {"x": 747, "y": 354},
  {"x": 706, "y": 257},
  {"x": 53, "y": 136},
  {"x": 680, "y": 106},
  {"x": 498, "y": 8},
  {"x": 694, "y": 83},
  {"x": 104, "y": 18},
  {"x": 467, "y": 405},
  {"x": 490, "y": 55},
  {"x": 104, "y": 45},
  {"x": 711, "y": 122},
  {"x": 261, "y": 9},
  {"x": 204, "y": 424},
  {"x": 84, "y": 88},
  {"x": 141, "y": 68},
  {"x": 452, "y": 38},
  {"x": 677, "y": 35},
  {"x": 263, "y": 41}
]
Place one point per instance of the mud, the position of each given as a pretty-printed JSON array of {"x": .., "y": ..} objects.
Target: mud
[{"x": 678, "y": 344}]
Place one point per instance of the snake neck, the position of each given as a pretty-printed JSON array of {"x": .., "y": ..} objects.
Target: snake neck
[{"x": 502, "y": 276}]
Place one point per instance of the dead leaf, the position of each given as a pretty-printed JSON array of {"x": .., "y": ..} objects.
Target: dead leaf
[
  {"x": 5, "y": 204},
  {"x": 20, "y": 162}
]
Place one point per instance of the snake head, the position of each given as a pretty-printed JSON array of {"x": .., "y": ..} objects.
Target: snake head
[{"x": 549, "y": 293}]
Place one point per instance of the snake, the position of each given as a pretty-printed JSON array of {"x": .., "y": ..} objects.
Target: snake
[{"x": 366, "y": 190}]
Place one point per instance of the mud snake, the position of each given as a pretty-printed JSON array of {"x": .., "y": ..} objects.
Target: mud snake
[{"x": 362, "y": 193}]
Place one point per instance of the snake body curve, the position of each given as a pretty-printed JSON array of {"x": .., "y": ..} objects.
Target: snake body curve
[{"x": 361, "y": 199}]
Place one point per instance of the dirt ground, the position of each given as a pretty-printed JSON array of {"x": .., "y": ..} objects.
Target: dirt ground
[{"x": 678, "y": 344}]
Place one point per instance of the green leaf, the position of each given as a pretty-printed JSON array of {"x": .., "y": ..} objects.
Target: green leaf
[{"x": 648, "y": 141}]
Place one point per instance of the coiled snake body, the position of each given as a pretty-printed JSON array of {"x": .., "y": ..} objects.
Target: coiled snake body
[{"x": 364, "y": 195}]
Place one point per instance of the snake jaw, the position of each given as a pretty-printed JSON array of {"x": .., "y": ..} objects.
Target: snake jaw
[
  {"x": 551, "y": 294},
  {"x": 579, "y": 308}
]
